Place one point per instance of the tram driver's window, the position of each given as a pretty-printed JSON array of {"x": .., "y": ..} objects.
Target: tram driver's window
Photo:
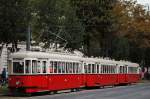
[
  {"x": 18, "y": 67},
  {"x": 28, "y": 66}
]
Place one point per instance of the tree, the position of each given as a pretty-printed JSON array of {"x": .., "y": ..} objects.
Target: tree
[
  {"x": 56, "y": 22},
  {"x": 133, "y": 21},
  {"x": 14, "y": 20},
  {"x": 98, "y": 20}
]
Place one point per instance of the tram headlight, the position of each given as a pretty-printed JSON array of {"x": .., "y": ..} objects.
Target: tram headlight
[{"x": 18, "y": 82}]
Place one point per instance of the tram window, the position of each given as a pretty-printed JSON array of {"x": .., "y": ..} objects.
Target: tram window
[
  {"x": 67, "y": 67},
  {"x": 63, "y": 67},
  {"x": 28, "y": 66},
  {"x": 55, "y": 67},
  {"x": 89, "y": 68},
  {"x": 77, "y": 68},
  {"x": 108, "y": 70},
  {"x": 105, "y": 68},
  {"x": 120, "y": 69},
  {"x": 112, "y": 69},
  {"x": 70, "y": 68},
  {"x": 50, "y": 69},
  {"x": 74, "y": 67},
  {"x": 101, "y": 68},
  {"x": 18, "y": 67},
  {"x": 93, "y": 68},
  {"x": 38, "y": 66},
  {"x": 34, "y": 66},
  {"x": 44, "y": 66},
  {"x": 123, "y": 69},
  {"x": 59, "y": 65},
  {"x": 85, "y": 68},
  {"x": 97, "y": 67}
]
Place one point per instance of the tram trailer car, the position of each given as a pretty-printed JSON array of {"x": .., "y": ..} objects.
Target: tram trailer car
[
  {"x": 102, "y": 72},
  {"x": 31, "y": 72}
]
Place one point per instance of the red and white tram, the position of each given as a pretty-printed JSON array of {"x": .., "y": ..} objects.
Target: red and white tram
[{"x": 31, "y": 72}]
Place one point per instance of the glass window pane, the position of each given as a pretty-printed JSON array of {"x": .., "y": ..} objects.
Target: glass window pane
[
  {"x": 28, "y": 66},
  {"x": 89, "y": 68},
  {"x": 34, "y": 66},
  {"x": 18, "y": 67},
  {"x": 44, "y": 66},
  {"x": 97, "y": 68},
  {"x": 59, "y": 64},
  {"x": 85, "y": 68},
  {"x": 70, "y": 68},
  {"x": 50, "y": 69},
  {"x": 38, "y": 67},
  {"x": 55, "y": 67},
  {"x": 63, "y": 67}
]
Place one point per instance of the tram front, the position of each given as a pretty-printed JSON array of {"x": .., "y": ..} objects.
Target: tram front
[{"x": 20, "y": 70}]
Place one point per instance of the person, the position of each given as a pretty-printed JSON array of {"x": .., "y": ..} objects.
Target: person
[{"x": 3, "y": 77}]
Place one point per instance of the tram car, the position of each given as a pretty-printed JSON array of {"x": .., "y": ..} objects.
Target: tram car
[{"x": 31, "y": 72}]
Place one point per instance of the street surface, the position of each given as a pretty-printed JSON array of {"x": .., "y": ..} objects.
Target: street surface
[{"x": 136, "y": 91}]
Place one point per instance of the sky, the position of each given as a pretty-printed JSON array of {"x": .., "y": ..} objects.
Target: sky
[{"x": 144, "y": 2}]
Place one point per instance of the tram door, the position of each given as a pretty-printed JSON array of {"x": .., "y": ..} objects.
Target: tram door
[
  {"x": 122, "y": 74},
  {"x": 44, "y": 76}
]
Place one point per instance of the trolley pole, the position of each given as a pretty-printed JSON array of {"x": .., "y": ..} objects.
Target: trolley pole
[{"x": 28, "y": 43}]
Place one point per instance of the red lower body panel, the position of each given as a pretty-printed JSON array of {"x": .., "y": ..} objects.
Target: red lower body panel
[{"x": 37, "y": 83}]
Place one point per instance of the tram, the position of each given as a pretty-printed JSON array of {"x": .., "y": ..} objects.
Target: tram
[{"x": 31, "y": 72}]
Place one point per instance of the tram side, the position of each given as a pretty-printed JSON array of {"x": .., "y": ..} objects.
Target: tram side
[
  {"x": 101, "y": 72},
  {"x": 31, "y": 72}
]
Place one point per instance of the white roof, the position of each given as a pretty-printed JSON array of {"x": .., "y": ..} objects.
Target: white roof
[
  {"x": 44, "y": 55},
  {"x": 70, "y": 57},
  {"x": 99, "y": 60}
]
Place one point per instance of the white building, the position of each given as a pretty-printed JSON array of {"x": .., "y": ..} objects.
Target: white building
[{"x": 4, "y": 54}]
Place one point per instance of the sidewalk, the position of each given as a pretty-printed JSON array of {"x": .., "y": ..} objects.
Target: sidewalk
[
  {"x": 3, "y": 90},
  {"x": 144, "y": 81}
]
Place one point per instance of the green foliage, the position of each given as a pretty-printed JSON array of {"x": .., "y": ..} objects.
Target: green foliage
[
  {"x": 13, "y": 20},
  {"x": 98, "y": 20},
  {"x": 109, "y": 28},
  {"x": 57, "y": 18}
]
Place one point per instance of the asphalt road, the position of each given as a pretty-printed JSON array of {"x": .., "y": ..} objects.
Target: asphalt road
[{"x": 138, "y": 91}]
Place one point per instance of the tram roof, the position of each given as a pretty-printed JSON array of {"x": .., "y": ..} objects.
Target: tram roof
[
  {"x": 30, "y": 54},
  {"x": 99, "y": 60}
]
